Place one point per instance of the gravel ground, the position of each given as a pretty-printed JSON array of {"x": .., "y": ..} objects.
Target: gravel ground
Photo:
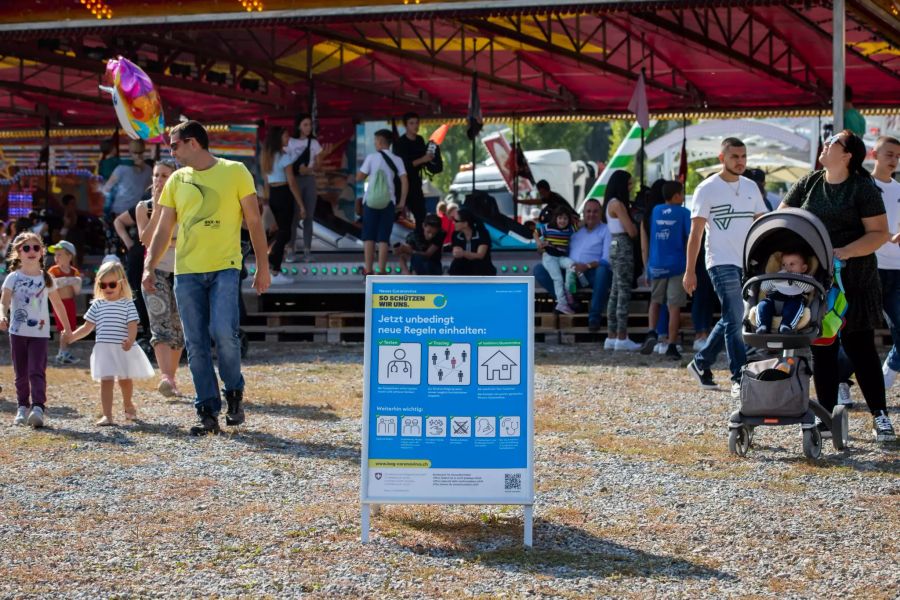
[{"x": 637, "y": 496}]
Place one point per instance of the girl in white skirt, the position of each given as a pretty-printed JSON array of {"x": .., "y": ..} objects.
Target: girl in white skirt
[{"x": 115, "y": 357}]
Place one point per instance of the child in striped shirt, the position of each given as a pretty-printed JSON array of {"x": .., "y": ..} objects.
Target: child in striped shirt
[
  {"x": 115, "y": 357},
  {"x": 554, "y": 241}
]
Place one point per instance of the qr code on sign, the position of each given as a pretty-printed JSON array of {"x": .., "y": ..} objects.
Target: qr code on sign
[{"x": 512, "y": 481}]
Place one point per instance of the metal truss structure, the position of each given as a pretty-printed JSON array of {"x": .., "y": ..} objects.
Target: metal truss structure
[{"x": 552, "y": 59}]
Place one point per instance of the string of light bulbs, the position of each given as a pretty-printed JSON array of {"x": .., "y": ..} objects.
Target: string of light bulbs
[
  {"x": 98, "y": 8},
  {"x": 251, "y": 5}
]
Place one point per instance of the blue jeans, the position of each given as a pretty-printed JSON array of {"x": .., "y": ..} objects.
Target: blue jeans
[
  {"x": 791, "y": 310},
  {"x": 600, "y": 281},
  {"x": 209, "y": 308},
  {"x": 890, "y": 293},
  {"x": 726, "y": 334},
  {"x": 422, "y": 266}
]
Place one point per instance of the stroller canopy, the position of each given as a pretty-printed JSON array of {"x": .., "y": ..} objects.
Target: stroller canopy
[{"x": 788, "y": 228}]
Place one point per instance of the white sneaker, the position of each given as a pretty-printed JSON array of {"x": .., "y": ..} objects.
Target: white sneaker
[
  {"x": 626, "y": 345},
  {"x": 735, "y": 389},
  {"x": 21, "y": 416},
  {"x": 36, "y": 418},
  {"x": 564, "y": 308},
  {"x": 844, "y": 394},
  {"x": 609, "y": 343},
  {"x": 890, "y": 376},
  {"x": 289, "y": 257},
  {"x": 663, "y": 347},
  {"x": 698, "y": 344},
  {"x": 282, "y": 279}
]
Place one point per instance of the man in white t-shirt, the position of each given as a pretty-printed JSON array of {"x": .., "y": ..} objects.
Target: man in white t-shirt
[
  {"x": 887, "y": 154},
  {"x": 725, "y": 206},
  {"x": 377, "y": 223}
]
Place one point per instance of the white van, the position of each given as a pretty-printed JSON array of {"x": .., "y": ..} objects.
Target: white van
[{"x": 555, "y": 166}]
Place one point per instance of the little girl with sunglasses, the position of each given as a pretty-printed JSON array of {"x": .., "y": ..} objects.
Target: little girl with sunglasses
[
  {"x": 25, "y": 293},
  {"x": 115, "y": 357}
]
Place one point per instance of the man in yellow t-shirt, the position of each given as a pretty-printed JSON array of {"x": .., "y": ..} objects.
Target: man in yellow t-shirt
[{"x": 207, "y": 198}]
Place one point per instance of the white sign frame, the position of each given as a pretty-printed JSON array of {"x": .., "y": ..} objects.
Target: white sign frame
[{"x": 367, "y": 502}]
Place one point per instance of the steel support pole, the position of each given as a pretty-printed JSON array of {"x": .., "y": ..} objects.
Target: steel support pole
[{"x": 839, "y": 33}]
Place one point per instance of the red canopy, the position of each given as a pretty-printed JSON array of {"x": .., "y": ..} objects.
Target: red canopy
[{"x": 372, "y": 62}]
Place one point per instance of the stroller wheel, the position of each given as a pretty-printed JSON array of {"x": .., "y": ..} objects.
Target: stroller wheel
[
  {"x": 812, "y": 443},
  {"x": 840, "y": 427},
  {"x": 739, "y": 440}
]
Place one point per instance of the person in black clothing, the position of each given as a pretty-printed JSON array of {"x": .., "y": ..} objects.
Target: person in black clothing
[
  {"x": 844, "y": 196},
  {"x": 423, "y": 249},
  {"x": 471, "y": 247},
  {"x": 414, "y": 152},
  {"x": 551, "y": 200},
  {"x": 125, "y": 226}
]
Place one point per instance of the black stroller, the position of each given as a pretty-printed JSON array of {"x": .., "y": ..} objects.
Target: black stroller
[{"x": 776, "y": 391}]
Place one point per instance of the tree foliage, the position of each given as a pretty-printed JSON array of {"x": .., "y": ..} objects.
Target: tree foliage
[
  {"x": 584, "y": 141},
  {"x": 455, "y": 151}
]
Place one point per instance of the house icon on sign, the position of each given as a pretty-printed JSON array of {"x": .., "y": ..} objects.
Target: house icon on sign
[{"x": 498, "y": 367}]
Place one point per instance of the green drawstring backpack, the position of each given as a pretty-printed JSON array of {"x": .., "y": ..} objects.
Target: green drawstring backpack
[
  {"x": 379, "y": 194},
  {"x": 834, "y": 320}
]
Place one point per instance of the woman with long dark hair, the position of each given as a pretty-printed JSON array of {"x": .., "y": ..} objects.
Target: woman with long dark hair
[
  {"x": 305, "y": 150},
  {"x": 617, "y": 215},
  {"x": 846, "y": 199},
  {"x": 282, "y": 193},
  {"x": 166, "y": 333}
]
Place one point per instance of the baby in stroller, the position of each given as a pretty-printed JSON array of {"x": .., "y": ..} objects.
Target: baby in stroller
[{"x": 784, "y": 297}]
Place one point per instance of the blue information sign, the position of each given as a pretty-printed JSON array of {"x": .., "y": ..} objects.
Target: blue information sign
[{"x": 448, "y": 390}]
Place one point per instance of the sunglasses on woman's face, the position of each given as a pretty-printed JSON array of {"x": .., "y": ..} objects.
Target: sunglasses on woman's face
[
  {"x": 835, "y": 139},
  {"x": 31, "y": 248},
  {"x": 111, "y": 285}
]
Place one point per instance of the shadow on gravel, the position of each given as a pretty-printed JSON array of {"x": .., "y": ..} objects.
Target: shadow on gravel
[
  {"x": 107, "y": 435},
  {"x": 266, "y": 442},
  {"x": 309, "y": 413},
  {"x": 559, "y": 550},
  {"x": 54, "y": 412},
  {"x": 163, "y": 429},
  {"x": 847, "y": 459}
]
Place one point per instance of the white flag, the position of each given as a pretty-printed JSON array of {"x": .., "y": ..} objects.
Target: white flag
[{"x": 638, "y": 103}]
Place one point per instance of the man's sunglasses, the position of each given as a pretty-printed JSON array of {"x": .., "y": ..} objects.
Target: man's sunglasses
[
  {"x": 111, "y": 285},
  {"x": 30, "y": 248},
  {"x": 835, "y": 139},
  {"x": 174, "y": 145}
]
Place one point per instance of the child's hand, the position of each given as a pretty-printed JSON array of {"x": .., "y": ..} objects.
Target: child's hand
[
  {"x": 127, "y": 344},
  {"x": 4, "y": 324}
]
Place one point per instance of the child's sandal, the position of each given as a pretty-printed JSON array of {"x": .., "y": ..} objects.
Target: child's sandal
[
  {"x": 104, "y": 422},
  {"x": 131, "y": 416}
]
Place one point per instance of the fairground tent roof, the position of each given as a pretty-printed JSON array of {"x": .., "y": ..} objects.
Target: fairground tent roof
[{"x": 215, "y": 61}]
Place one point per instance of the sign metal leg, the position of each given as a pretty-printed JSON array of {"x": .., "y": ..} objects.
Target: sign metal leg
[
  {"x": 529, "y": 524},
  {"x": 365, "y": 522}
]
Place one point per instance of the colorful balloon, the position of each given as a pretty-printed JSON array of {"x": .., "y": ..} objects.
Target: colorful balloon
[{"x": 136, "y": 100}]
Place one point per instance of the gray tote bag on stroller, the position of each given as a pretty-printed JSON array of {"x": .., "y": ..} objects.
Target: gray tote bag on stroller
[{"x": 775, "y": 388}]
